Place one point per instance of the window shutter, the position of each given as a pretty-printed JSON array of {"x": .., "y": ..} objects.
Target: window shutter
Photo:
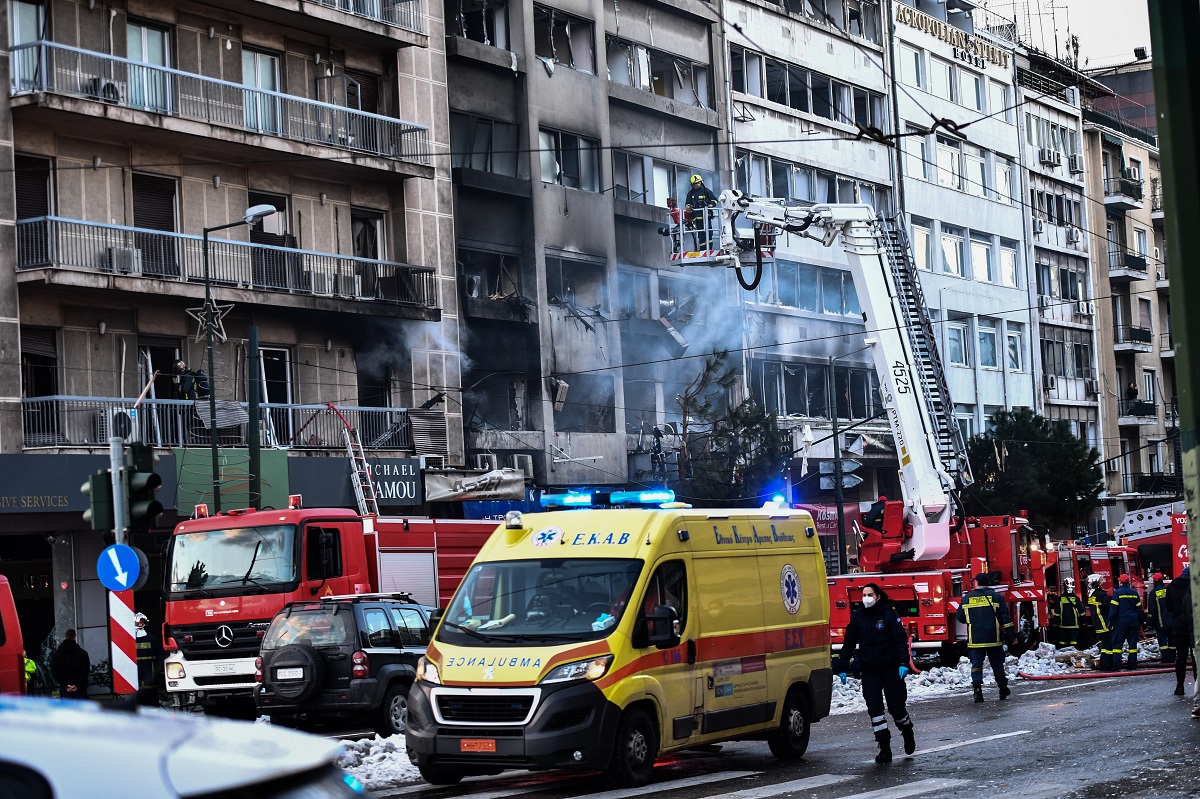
[
  {"x": 154, "y": 202},
  {"x": 32, "y": 185},
  {"x": 39, "y": 341}
]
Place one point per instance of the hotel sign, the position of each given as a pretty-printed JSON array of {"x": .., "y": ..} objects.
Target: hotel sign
[{"x": 971, "y": 49}]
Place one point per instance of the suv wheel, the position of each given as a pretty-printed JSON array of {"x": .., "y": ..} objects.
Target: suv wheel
[
  {"x": 303, "y": 657},
  {"x": 436, "y": 776},
  {"x": 392, "y": 713}
]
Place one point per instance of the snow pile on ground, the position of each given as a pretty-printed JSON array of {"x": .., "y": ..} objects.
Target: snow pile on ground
[{"x": 379, "y": 763}]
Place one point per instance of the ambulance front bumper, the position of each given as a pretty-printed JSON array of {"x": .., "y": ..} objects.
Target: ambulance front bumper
[{"x": 571, "y": 725}]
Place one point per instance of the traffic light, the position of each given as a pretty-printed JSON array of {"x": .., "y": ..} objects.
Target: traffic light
[
  {"x": 98, "y": 489},
  {"x": 141, "y": 483}
]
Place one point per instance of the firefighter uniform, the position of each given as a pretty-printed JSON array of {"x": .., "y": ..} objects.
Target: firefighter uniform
[
  {"x": 1068, "y": 618},
  {"x": 1179, "y": 597},
  {"x": 1160, "y": 617},
  {"x": 989, "y": 626},
  {"x": 1125, "y": 618},
  {"x": 1098, "y": 606}
]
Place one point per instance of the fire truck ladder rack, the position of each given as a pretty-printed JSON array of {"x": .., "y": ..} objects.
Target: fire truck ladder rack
[
  {"x": 360, "y": 470},
  {"x": 915, "y": 314}
]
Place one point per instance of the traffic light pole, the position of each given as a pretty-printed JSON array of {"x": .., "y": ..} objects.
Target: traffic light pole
[{"x": 116, "y": 452}]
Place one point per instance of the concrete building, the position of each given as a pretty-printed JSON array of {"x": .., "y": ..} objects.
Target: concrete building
[{"x": 130, "y": 128}]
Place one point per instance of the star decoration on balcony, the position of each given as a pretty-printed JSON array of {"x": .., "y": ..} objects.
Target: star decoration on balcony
[{"x": 218, "y": 314}]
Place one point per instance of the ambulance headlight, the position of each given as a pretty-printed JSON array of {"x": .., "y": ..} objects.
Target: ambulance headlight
[
  {"x": 427, "y": 670},
  {"x": 592, "y": 670}
]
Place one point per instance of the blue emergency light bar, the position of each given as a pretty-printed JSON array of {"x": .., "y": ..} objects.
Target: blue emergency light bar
[{"x": 576, "y": 499}]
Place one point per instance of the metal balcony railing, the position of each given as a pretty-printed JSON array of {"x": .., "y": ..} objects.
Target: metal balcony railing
[
  {"x": 65, "y": 421},
  {"x": 1166, "y": 342},
  {"x": 54, "y": 242},
  {"x": 1128, "y": 407},
  {"x": 1126, "y": 259},
  {"x": 405, "y": 14},
  {"x": 1151, "y": 483},
  {"x": 59, "y": 69},
  {"x": 1131, "y": 334},
  {"x": 1125, "y": 187}
]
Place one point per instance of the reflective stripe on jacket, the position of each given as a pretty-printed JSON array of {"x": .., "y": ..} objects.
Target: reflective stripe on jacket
[
  {"x": 1126, "y": 608},
  {"x": 1160, "y": 608},
  {"x": 1068, "y": 612},
  {"x": 1098, "y": 605},
  {"x": 986, "y": 615}
]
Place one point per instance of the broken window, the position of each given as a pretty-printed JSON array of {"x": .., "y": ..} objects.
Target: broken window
[
  {"x": 488, "y": 275},
  {"x": 657, "y": 72},
  {"x": 563, "y": 39},
  {"x": 569, "y": 160},
  {"x": 635, "y": 294},
  {"x": 590, "y": 406},
  {"x": 632, "y": 177},
  {"x": 483, "y": 144},
  {"x": 484, "y": 21},
  {"x": 577, "y": 283}
]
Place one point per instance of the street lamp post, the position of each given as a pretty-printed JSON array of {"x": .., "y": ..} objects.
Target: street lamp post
[{"x": 251, "y": 216}]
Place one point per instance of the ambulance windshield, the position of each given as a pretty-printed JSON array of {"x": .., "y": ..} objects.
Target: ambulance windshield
[{"x": 548, "y": 601}]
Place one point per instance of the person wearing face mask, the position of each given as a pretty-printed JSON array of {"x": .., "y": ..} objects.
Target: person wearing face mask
[
  {"x": 989, "y": 625},
  {"x": 876, "y": 631}
]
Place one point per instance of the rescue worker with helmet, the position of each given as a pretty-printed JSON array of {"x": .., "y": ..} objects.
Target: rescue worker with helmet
[
  {"x": 877, "y": 632},
  {"x": 1160, "y": 616},
  {"x": 1179, "y": 596},
  {"x": 989, "y": 626},
  {"x": 1068, "y": 613},
  {"x": 1125, "y": 618},
  {"x": 147, "y": 651},
  {"x": 1097, "y": 609},
  {"x": 698, "y": 198}
]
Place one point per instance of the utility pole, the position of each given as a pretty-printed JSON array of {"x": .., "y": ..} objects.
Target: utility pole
[{"x": 1174, "y": 29}]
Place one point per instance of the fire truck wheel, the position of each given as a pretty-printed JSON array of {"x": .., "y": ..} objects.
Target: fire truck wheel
[
  {"x": 304, "y": 657},
  {"x": 790, "y": 741},
  {"x": 949, "y": 655}
]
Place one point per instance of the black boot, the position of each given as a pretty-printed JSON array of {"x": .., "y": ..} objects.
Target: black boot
[
  {"x": 978, "y": 693},
  {"x": 1178, "y": 689},
  {"x": 906, "y": 730},
  {"x": 884, "y": 739},
  {"x": 1004, "y": 692}
]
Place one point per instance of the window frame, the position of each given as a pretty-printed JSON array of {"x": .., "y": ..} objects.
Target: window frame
[
  {"x": 960, "y": 331},
  {"x": 558, "y": 154}
]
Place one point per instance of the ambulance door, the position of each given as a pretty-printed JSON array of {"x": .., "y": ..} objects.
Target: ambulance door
[{"x": 672, "y": 668}]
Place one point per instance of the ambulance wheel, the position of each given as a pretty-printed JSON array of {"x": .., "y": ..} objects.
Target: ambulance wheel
[
  {"x": 790, "y": 741},
  {"x": 436, "y": 776},
  {"x": 636, "y": 747}
]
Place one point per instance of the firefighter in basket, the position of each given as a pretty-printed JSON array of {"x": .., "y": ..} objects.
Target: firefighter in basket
[{"x": 699, "y": 198}]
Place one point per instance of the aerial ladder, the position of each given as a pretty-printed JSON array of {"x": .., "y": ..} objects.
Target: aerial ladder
[{"x": 913, "y": 387}]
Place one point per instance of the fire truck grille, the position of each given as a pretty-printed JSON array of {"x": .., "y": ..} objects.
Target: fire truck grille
[
  {"x": 204, "y": 641},
  {"x": 481, "y": 709}
]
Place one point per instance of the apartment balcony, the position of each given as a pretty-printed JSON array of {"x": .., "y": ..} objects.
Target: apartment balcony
[
  {"x": 1136, "y": 412},
  {"x": 1158, "y": 484},
  {"x": 1166, "y": 345},
  {"x": 1126, "y": 266},
  {"x": 90, "y": 254},
  {"x": 1123, "y": 194},
  {"x": 1131, "y": 338},
  {"x": 1157, "y": 213},
  {"x": 372, "y": 23},
  {"x": 1161, "y": 281},
  {"x": 62, "y": 79},
  {"x": 67, "y": 422}
]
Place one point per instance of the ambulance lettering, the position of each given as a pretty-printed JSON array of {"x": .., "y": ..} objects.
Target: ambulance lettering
[{"x": 593, "y": 539}]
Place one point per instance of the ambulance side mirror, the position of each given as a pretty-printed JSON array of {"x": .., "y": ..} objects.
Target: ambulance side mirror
[{"x": 662, "y": 627}]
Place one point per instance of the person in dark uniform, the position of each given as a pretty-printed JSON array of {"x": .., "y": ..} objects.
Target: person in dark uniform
[
  {"x": 1179, "y": 597},
  {"x": 1068, "y": 615},
  {"x": 148, "y": 651},
  {"x": 876, "y": 631},
  {"x": 69, "y": 665},
  {"x": 1160, "y": 616},
  {"x": 700, "y": 197},
  {"x": 1097, "y": 610},
  {"x": 1125, "y": 618},
  {"x": 874, "y": 516},
  {"x": 989, "y": 626}
]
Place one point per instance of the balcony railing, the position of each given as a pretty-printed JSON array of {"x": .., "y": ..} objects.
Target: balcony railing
[
  {"x": 59, "y": 69},
  {"x": 1151, "y": 483},
  {"x": 401, "y": 13},
  {"x": 1126, "y": 259},
  {"x": 1143, "y": 408},
  {"x": 1166, "y": 342},
  {"x": 1131, "y": 334},
  {"x": 1124, "y": 187},
  {"x": 84, "y": 422},
  {"x": 54, "y": 242}
]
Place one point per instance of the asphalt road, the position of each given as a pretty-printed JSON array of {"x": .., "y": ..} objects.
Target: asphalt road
[{"x": 1118, "y": 737}]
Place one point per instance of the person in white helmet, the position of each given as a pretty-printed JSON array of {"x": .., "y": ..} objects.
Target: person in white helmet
[
  {"x": 1098, "y": 602},
  {"x": 147, "y": 651}
]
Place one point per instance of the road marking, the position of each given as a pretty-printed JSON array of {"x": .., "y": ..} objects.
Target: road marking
[
  {"x": 909, "y": 789},
  {"x": 819, "y": 781},
  {"x": 1065, "y": 687},
  {"x": 967, "y": 743},
  {"x": 654, "y": 787}
]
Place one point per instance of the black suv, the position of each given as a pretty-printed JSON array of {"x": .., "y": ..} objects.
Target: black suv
[{"x": 343, "y": 657}]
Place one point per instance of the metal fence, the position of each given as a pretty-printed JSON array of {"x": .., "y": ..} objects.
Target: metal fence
[
  {"x": 68, "y": 243},
  {"x": 1126, "y": 187},
  {"x": 1126, "y": 259},
  {"x": 401, "y": 13},
  {"x": 59, "y": 69},
  {"x": 65, "y": 421},
  {"x": 1134, "y": 407}
]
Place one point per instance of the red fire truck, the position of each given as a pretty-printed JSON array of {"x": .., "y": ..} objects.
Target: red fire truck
[
  {"x": 227, "y": 575},
  {"x": 1160, "y": 538}
]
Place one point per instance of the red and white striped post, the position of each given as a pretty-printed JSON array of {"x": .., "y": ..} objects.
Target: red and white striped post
[{"x": 124, "y": 645}]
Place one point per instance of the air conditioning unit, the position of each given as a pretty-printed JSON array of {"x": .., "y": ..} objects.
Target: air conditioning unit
[
  {"x": 1047, "y": 156},
  {"x": 1049, "y": 382},
  {"x": 1076, "y": 164},
  {"x": 1091, "y": 311},
  {"x": 1074, "y": 234},
  {"x": 123, "y": 260},
  {"x": 1057, "y": 159},
  {"x": 473, "y": 285},
  {"x": 121, "y": 422},
  {"x": 1158, "y": 254},
  {"x": 1072, "y": 93},
  {"x": 522, "y": 463},
  {"x": 486, "y": 461},
  {"x": 1084, "y": 308},
  {"x": 558, "y": 392},
  {"x": 1112, "y": 466},
  {"x": 350, "y": 285},
  {"x": 1037, "y": 225},
  {"x": 323, "y": 283},
  {"x": 1092, "y": 387},
  {"x": 102, "y": 89}
]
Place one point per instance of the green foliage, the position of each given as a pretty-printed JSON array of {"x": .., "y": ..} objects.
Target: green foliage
[{"x": 1029, "y": 462}]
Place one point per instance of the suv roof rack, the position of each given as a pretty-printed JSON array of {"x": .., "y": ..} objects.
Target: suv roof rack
[{"x": 400, "y": 596}]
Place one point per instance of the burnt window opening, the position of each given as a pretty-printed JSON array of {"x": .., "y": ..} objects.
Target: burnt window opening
[
  {"x": 802, "y": 390},
  {"x": 489, "y": 275},
  {"x": 499, "y": 400},
  {"x": 569, "y": 160},
  {"x": 564, "y": 39},
  {"x": 678, "y": 301},
  {"x": 660, "y": 73},
  {"x": 483, "y": 21},
  {"x": 634, "y": 288},
  {"x": 575, "y": 283},
  {"x": 483, "y": 144},
  {"x": 589, "y": 405}
]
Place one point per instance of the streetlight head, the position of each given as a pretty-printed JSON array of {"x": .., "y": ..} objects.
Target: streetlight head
[{"x": 258, "y": 212}]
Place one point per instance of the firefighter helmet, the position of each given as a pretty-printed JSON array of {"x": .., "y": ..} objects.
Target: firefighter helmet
[
  {"x": 697, "y": 179},
  {"x": 1095, "y": 579},
  {"x": 1069, "y": 584}
]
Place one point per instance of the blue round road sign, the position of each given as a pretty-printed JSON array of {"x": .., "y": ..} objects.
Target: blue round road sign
[{"x": 119, "y": 567}]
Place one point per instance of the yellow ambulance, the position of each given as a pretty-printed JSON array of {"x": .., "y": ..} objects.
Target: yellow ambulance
[{"x": 601, "y": 639}]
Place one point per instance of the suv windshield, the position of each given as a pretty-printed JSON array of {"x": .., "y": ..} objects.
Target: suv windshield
[
  {"x": 234, "y": 558},
  {"x": 318, "y": 626},
  {"x": 549, "y": 601}
]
